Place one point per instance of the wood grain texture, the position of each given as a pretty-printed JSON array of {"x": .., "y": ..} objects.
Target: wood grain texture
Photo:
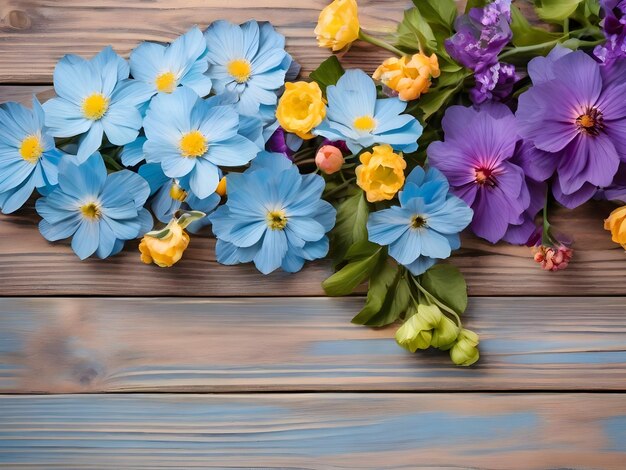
[
  {"x": 29, "y": 265},
  {"x": 174, "y": 345},
  {"x": 326, "y": 431},
  {"x": 35, "y": 34}
]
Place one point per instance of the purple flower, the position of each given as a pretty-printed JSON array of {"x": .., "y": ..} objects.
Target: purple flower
[
  {"x": 614, "y": 26},
  {"x": 282, "y": 142},
  {"x": 481, "y": 35},
  {"x": 575, "y": 113},
  {"x": 480, "y": 158},
  {"x": 494, "y": 83}
]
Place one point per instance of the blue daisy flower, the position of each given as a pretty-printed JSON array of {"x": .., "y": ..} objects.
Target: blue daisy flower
[
  {"x": 95, "y": 98},
  {"x": 28, "y": 157},
  {"x": 426, "y": 225},
  {"x": 170, "y": 195},
  {"x": 274, "y": 216},
  {"x": 97, "y": 210},
  {"x": 358, "y": 117},
  {"x": 183, "y": 62},
  {"x": 190, "y": 137},
  {"x": 248, "y": 59}
]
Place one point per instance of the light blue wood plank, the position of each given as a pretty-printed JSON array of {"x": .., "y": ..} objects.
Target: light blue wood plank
[
  {"x": 97, "y": 345},
  {"x": 314, "y": 431}
]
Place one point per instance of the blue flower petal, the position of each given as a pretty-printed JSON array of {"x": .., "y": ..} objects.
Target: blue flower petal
[
  {"x": 86, "y": 239},
  {"x": 273, "y": 250}
]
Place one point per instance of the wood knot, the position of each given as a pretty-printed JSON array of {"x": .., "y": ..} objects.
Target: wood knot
[{"x": 18, "y": 19}]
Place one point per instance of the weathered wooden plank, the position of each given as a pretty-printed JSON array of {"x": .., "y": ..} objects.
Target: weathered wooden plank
[
  {"x": 517, "y": 431},
  {"x": 29, "y": 265},
  {"x": 282, "y": 344},
  {"x": 34, "y": 34}
]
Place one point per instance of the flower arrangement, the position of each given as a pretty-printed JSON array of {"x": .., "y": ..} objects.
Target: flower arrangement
[{"x": 479, "y": 120}]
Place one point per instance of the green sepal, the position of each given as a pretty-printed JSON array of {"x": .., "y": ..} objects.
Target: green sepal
[
  {"x": 188, "y": 217},
  {"x": 328, "y": 73},
  {"x": 160, "y": 234}
]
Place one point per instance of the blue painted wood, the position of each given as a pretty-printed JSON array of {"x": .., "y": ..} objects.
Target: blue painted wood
[{"x": 314, "y": 431}]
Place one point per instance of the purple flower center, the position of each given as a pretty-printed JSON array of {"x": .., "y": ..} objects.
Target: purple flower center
[
  {"x": 591, "y": 122},
  {"x": 485, "y": 176}
]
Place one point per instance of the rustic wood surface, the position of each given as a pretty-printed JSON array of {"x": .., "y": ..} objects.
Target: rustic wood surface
[
  {"x": 30, "y": 265},
  {"x": 286, "y": 344},
  {"x": 257, "y": 338},
  {"x": 378, "y": 431},
  {"x": 35, "y": 34}
]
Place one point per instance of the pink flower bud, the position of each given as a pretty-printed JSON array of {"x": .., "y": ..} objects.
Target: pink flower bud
[
  {"x": 553, "y": 258},
  {"x": 329, "y": 159}
]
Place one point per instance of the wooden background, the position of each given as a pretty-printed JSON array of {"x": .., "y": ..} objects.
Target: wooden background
[{"x": 233, "y": 369}]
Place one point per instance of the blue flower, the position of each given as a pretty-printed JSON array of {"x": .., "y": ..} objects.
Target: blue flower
[
  {"x": 28, "y": 158},
  {"x": 426, "y": 226},
  {"x": 95, "y": 98},
  {"x": 183, "y": 62},
  {"x": 190, "y": 136},
  {"x": 170, "y": 195},
  {"x": 249, "y": 60},
  {"x": 274, "y": 216},
  {"x": 98, "y": 211},
  {"x": 358, "y": 117}
]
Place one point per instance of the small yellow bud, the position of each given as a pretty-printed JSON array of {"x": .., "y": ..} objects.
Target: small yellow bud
[
  {"x": 338, "y": 25},
  {"x": 221, "y": 187},
  {"x": 616, "y": 224},
  {"x": 167, "y": 250}
]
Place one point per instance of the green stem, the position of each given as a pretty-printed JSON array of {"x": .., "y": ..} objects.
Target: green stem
[
  {"x": 112, "y": 163},
  {"x": 530, "y": 48},
  {"x": 342, "y": 186},
  {"x": 546, "y": 238},
  {"x": 380, "y": 43},
  {"x": 566, "y": 27}
]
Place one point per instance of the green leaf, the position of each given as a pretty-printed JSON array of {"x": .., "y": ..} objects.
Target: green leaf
[
  {"x": 475, "y": 4},
  {"x": 351, "y": 225},
  {"x": 344, "y": 281},
  {"x": 414, "y": 32},
  {"x": 376, "y": 311},
  {"x": 524, "y": 34},
  {"x": 438, "y": 12},
  {"x": 446, "y": 283},
  {"x": 434, "y": 100},
  {"x": 328, "y": 73},
  {"x": 556, "y": 10}
]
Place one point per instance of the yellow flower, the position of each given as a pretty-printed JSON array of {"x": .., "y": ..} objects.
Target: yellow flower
[
  {"x": 381, "y": 174},
  {"x": 165, "y": 247},
  {"x": 616, "y": 223},
  {"x": 301, "y": 108},
  {"x": 165, "y": 251},
  {"x": 338, "y": 25},
  {"x": 409, "y": 77}
]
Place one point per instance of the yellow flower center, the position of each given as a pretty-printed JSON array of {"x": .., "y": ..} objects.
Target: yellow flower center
[
  {"x": 193, "y": 144},
  {"x": 31, "y": 149},
  {"x": 365, "y": 124},
  {"x": 418, "y": 221},
  {"x": 91, "y": 211},
  {"x": 586, "y": 121},
  {"x": 276, "y": 220},
  {"x": 177, "y": 193},
  {"x": 165, "y": 82},
  {"x": 240, "y": 69},
  {"x": 95, "y": 106},
  {"x": 591, "y": 122}
]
